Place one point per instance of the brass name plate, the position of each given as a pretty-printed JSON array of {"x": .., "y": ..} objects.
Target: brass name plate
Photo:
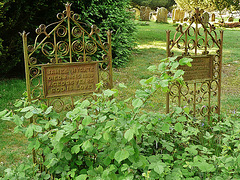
[
  {"x": 202, "y": 69},
  {"x": 69, "y": 79}
]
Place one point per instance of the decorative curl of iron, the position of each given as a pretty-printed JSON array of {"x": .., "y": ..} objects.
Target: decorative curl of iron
[
  {"x": 76, "y": 32},
  {"x": 62, "y": 48},
  {"x": 34, "y": 71},
  {"x": 91, "y": 47},
  {"x": 77, "y": 46},
  {"x": 61, "y": 31},
  {"x": 36, "y": 93},
  {"x": 58, "y": 105},
  {"x": 32, "y": 60},
  {"x": 48, "y": 48}
]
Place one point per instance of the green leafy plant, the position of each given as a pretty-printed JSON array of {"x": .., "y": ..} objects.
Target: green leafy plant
[{"x": 107, "y": 138}]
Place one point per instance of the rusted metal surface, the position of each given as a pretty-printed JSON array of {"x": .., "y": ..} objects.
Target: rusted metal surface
[
  {"x": 66, "y": 41},
  {"x": 67, "y": 58},
  {"x": 69, "y": 79},
  {"x": 202, "y": 91},
  {"x": 201, "y": 69}
]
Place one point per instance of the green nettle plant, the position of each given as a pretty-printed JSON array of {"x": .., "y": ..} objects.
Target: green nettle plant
[{"x": 106, "y": 138}]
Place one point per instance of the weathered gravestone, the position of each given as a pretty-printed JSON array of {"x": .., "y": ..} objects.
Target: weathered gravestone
[
  {"x": 153, "y": 15},
  {"x": 177, "y": 15},
  {"x": 136, "y": 12},
  {"x": 205, "y": 18},
  {"x": 213, "y": 17},
  {"x": 145, "y": 13},
  {"x": 162, "y": 14}
]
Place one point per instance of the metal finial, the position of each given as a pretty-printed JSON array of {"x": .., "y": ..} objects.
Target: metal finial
[{"x": 68, "y": 9}]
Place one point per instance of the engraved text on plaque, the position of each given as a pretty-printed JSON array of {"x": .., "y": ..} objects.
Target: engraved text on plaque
[{"x": 69, "y": 79}]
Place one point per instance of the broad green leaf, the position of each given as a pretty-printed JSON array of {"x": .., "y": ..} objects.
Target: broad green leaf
[
  {"x": 152, "y": 68},
  {"x": 186, "y": 110},
  {"x": 182, "y": 119},
  {"x": 18, "y": 121},
  {"x": 59, "y": 135},
  {"x": 121, "y": 155},
  {"x": 53, "y": 122},
  {"x": 174, "y": 65},
  {"x": 185, "y": 61},
  {"x": 28, "y": 115},
  {"x": 97, "y": 137},
  {"x": 205, "y": 167},
  {"x": 87, "y": 120},
  {"x": 164, "y": 83},
  {"x": 129, "y": 134},
  {"x": 49, "y": 109},
  {"x": 122, "y": 85},
  {"x": 17, "y": 104},
  {"x": 178, "y": 127},
  {"x": 68, "y": 155},
  {"x": 172, "y": 59},
  {"x": 29, "y": 131},
  {"x": 150, "y": 80},
  {"x": 149, "y": 126},
  {"x": 137, "y": 103},
  {"x": 178, "y": 110},
  {"x": 178, "y": 73},
  {"x": 106, "y": 136},
  {"x": 162, "y": 66},
  {"x": 108, "y": 92},
  {"x": 75, "y": 149},
  {"x": 28, "y": 108},
  {"x": 124, "y": 167},
  {"x": 141, "y": 94},
  {"x": 159, "y": 167},
  {"x": 87, "y": 146},
  {"x": 85, "y": 104},
  {"x": 3, "y": 113},
  {"x": 192, "y": 150},
  {"x": 53, "y": 161},
  {"x": 37, "y": 128},
  {"x": 166, "y": 128}
]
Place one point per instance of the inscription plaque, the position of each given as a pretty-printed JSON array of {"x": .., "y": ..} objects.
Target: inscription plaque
[
  {"x": 202, "y": 68},
  {"x": 69, "y": 79}
]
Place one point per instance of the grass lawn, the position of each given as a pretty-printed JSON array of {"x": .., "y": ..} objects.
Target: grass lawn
[{"x": 151, "y": 45}]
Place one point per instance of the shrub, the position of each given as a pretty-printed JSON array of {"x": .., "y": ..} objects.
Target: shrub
[
  {"x": 17, "y": 16},
  {"x": 106, "y": 138}
]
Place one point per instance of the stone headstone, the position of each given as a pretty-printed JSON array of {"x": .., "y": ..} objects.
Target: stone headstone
[
  {"x": 153, "y": 16},
  {"x": 144, "y": 13},
  {"x": 205, "y": 18},
  {"x": 136, "y": 13},
  {"x": 162, "y": 14},
  {"x": 213, "y": 17},
  {"x": 181, "y": 15},
  {"x": 230, "y": 19},
  {"x": 177, "y": 15}
]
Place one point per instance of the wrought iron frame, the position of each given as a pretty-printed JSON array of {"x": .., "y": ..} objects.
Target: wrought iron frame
[
  {"x": 74, "y": 41},
  {"x": 197, "y": 44}
]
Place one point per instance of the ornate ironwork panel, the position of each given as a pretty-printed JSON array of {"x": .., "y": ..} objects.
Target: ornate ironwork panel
[
  {"x": 66, "y": 45},
  {"x": 202, "y": 90}
]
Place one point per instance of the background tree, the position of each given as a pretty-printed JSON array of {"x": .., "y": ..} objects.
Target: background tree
[
  {"x": 153, "y": 4},
  {"x": 209, "y": 5},
  {"x": 190, "y": 5},
  {"x": 16, "y": 16}
]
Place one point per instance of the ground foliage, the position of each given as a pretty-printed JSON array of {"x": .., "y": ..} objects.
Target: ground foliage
[
  {"x": 106, "y": 138},
  {"x": 16, "y": 16}
]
